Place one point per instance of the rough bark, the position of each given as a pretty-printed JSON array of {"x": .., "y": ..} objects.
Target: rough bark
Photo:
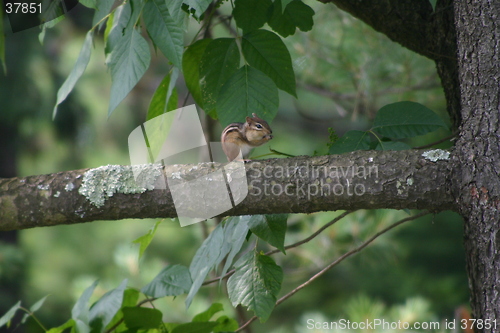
[
  {"x": 478, "y": 151},
  {"x": 363, "y": 179}
]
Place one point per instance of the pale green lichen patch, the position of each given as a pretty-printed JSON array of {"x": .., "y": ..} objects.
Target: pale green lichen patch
[
  {"x": 436, "y": 155},
  {"x": 101, "y": 183}
]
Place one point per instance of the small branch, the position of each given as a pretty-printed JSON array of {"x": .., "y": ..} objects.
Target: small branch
[
  {"x": 305, "y": 240},
  {"x": 226, "y": 21},
  {"x": 336, "y": 262},
  {"x": 409, "y": 23},
  {"x": 449, "y": 137},
  {"x": 32, "y": 315},
  {"x": 320, "y": 230}
]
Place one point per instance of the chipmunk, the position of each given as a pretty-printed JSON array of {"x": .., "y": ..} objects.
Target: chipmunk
[{"x": 245, "y": 136}]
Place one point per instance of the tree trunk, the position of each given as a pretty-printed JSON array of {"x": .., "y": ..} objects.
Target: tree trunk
[{"x": 478, "y": 152}]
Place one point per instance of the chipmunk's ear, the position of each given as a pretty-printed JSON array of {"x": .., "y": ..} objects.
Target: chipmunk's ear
[{"x": 253, "y": 114}]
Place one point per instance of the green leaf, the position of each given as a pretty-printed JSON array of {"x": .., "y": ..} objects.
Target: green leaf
[
  {"x": 191, "y": 68},
  {"x": 226, "y": 240},
  {"x": 433, "y": 4},
  {"x": 225, "y": 324},
  {"x": 206, "y": 315},
  {"x": 392, "y": 145},
  {"x": 161, "y": 102},
  {"x": 255, "y": 284},
  {"x": 205, "y": 259},
  {"x": 7, "y": 317},
  {"x": 199, "y": 6},
  {"x": 142, "y": 318},
  {"x": 284, "y": 4},
  {"x": 76, "y": 72},
  {"x": 70, "y": 323},
  {"x": 107, "y": 30},
  {"x": 196, "y": 327},
  {"x": 270, "y": 228},
  {"x": 265, "y": 51},
  {"x": 103, "y": 311},
  {"x": 351, "y": 141},
  {"x": 130, "y": 298},
  {"x": 146, "y": 239},
  {"x": 251, "y": 14},
  {"x": 248, "y": 90},
  {"x": 405, "y": 120},
  {"x": 173, "y": 280},
  {"x": 296, "y": 15},
  {"x": 175, "y": 10},
  {"x": 219, "y": 62},
  {"x": 235, "y": 231},
  {"x": 129, "y": 60},
  {"x": 123, "y": 20},
  {"x": 89, "y": 4},
  {"x": 102, "y": 9},
  {"x": 164, "y": 30},
  {"x": 35, "y": 307},
  {"x": 80, "y": 311}
]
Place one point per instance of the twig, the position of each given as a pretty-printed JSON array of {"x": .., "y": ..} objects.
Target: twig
[
  {"x": 438, "y": 141},
  {"x": 305, "y": 240},
  {"x": 320, "y": 230},
  {"x": 336, "y": 262},
  {"x": 280, "y": 153}
]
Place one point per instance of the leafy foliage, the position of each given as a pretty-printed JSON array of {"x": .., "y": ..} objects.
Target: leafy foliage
[
  {"x": 270, "y": 228},
  {"x": 285, "y": 19},
  {"x": 208, "y": 66},
  {"x": 251, "y": 14},
  {"x": 399, "y": 120},
  {"x": 229, "y": 78},
  {"x": 164, "y": 30},
  {"x": 405, "y": 120},
  {"x": 191, "y": 68},
  {"x": 173, "y": 280},
  {"x": 256, "y": 283},
  {"x": 246, "y": 91},
  {"x": 165, "y": 98},
  {"x": 226, "y": 240},
  {"x": 76, "y": 72},
  {"x": 144, "y": 240},
  {"x": 265, "y": 51},
  {"x": 219, "y": 62}
]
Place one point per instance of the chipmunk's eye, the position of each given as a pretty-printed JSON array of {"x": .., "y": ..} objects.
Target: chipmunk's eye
[{"x": 259, "y": 126}]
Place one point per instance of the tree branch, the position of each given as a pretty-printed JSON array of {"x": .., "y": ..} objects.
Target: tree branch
[
  {"x": 407, "y": 22},
  {"x": 362, "y": 179}
]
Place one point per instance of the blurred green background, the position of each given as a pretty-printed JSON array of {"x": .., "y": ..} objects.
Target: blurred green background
[{"x": 345, "y": 72}]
